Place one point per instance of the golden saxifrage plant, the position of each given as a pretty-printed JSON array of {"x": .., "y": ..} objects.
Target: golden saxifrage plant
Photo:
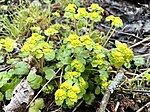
[{"x": 75, "y": 47}]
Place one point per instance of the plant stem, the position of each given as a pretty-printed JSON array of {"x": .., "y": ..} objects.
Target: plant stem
[
  {"x": 91, "y": 27},
  {"x": 43, "y": 87},
  {"x": 109, "y": 36}
]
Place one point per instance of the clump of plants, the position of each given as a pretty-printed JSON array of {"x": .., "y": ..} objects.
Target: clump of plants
[{"x": 72, "y": 53}]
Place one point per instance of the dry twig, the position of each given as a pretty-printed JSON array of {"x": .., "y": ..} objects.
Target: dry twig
[
  {"x": 110, "y": 90},
  {"x": 145, "y": 106}
]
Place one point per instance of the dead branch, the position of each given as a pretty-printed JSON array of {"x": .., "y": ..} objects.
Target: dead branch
[
  {"x": 145, "y": 106},
  {"x": 110, "y": 89},
  {"x": 22, "y": 94}
]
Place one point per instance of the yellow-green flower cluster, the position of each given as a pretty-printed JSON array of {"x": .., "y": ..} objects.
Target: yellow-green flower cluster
[
  {"x": 122, "y": 54},
  {"x": 97, "y": 47},
  {"x": 56, "y": 14},
  {"x": 115, "y": 21},
  {"x": 77, "y": 66},
  {"x": 75, "y": 85},
  {"x": 82, "y": 13},
  {"x": 99, "y": 60},
  {"x": 69, "y": 93},
  {"x": 74, "y": 40},
  {"x": 126, "y": 52},
  {"x": 31, "y": 20},
  {"x": 31, "y": 42},
  {"x": 96, "y": 7},
  {"x": 104, "y": 83},
  {"x": 7, "y": 44},
  {"x": 117, "y": 58},
  {"x": 71, "y": 8},
  {"x": 50, "y": 31},
  {"x": 86, "y": 40},
  {"x": 60, "y": 96},
  {"x": 72, "y": 75},
  {"x": 43, "y": 48},
  {"x": 95, "y": 16}
]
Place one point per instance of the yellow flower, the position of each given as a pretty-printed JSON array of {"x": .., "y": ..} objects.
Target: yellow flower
[
  {"x": 73, "y": 74},
  {"x": 75, "y": 89},
  {"x": 72, "y": 96},
  {"x": 47, "y": 50},
  {"x": 31, "y": 41},
  {"x": 94, "y": 16},
  {"x": 98, "y": 46},
  {"x": 99, "y": 56},
  {"x": 50, "y": 31},
  {"x": 72, "y": 37},
  {"x": 39, "y": 51},
  {"x": 78, "y": 66},
  {"x": 122, "y": 47},
  {"x": 87, "y": 42},
  {"x": 82, "y": 82},
  {"x": 100, "y": 62},
  {"x": 2, "y": 41},
  {"x": 26, "y": 48},
  {"x": 36, "y": 37},
  {"x": 104, "y": 85},
  {"x": 116, "y": 54},
  {"x": 65, "y": 85},
  {"x": 110, "y": 18},
  {"x": 56, "y": 14},
  {"x": 82, "y": 12},
  {"x": 30, "y": 20},
  {"x": 104, "y": 79},
  {"x": 9, "y": 44},
  {"x": 60, "y": 94},
  {"x": 76, "y": 16},
  {"x": 117, "y": 22},
  {"x": 71, "y": 8},
  {"x": 85, "y": 37},
  {"x": 128, "y": 54},
  {"x": 75, "y": 43},
  {"x": 95, "y": 6}
]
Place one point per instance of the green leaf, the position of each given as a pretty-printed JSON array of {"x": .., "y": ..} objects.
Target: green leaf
[
  {"x": 59, "y": 102},
  {"x": 84, "y": 54},
  {"x": 127, "y": 65},
  {"x": 117, "y": 43},
  {"x": 66, "y": 60},
  {"x": 139, "y": 61},
  {"x": 97, "y": 90},
  {"x": 89, "y": 98},
  {"x": 1, "y": 96},
  {"x": 94, "y": 63},
  {"x": 32, "y": 109},
  {"x": 4, "y": 77},
  {"x": 21, "y": 68},
  {"x": 38, "y": 56},
  {"x": 50, "y": 56},
  {"x": 31, "y": 77},
  {"x": 97, "y": 79},
  {"x": 49, "y": 73},
  {"x": 103, "y": 74},
  {"x": 38, "y": 103},
  {"x": 8, "y": 94},
  {"x": 35, "y": 84}
]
